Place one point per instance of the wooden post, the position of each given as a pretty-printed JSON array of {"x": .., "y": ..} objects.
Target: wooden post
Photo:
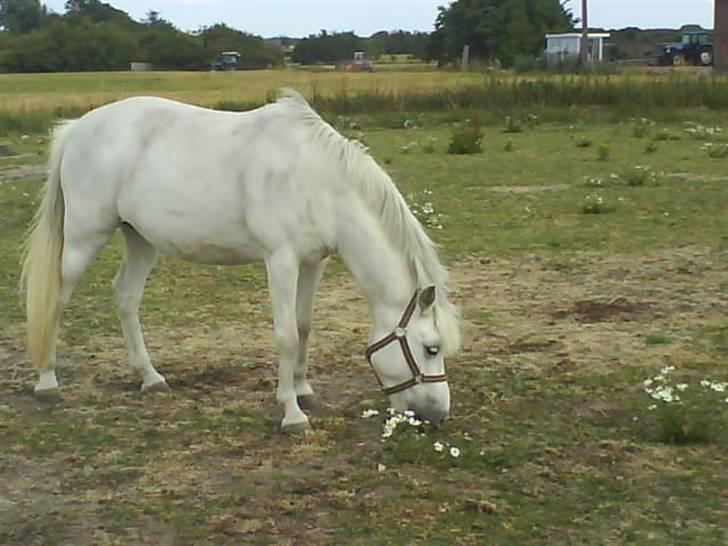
[
  {"x": 584, "y": 48},
  {"x": 465, "y": 58},
  {"x": 720, "y": 36}
]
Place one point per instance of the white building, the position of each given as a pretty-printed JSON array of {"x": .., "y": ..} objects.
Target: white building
[{"x": 559, "y": 46}]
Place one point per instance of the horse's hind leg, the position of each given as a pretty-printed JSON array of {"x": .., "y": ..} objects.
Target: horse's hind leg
[
  {"x": 139, "y": 258},
  {"x": 309, "y": 276},
  {"x": 78, "y": 252}
]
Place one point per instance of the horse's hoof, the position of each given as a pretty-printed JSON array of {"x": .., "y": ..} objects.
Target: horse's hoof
[
  {"x": 159, "y": 386},
  {"x": 308, "y": 402},
  {"x": 49, "y": 396},
  {"x": 296, "y": 428}
]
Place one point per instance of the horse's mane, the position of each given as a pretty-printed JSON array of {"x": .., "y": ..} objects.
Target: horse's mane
[{"x": 383, "y": 197}]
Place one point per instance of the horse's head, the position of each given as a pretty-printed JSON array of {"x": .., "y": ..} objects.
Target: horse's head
[{"x": 409, "y": 361}]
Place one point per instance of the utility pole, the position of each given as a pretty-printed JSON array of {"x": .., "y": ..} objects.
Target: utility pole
[{"x": 584, "y": 49}]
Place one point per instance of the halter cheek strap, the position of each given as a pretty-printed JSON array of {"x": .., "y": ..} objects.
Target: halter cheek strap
[{"x": 400, "y": 335}]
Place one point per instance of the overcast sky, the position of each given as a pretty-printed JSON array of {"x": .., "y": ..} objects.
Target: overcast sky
[{"x": 301, "y": 18}]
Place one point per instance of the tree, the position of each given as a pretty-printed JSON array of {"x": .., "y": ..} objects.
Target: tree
[
  {"x": 97, "y": 11},
  {"x": 496, "y": 29},
  {"x": 327, "y": 48},
  {"x": 92, "y": 36},
  {"x": 20, "y": 16},
  {"x": 397, "y": 42}
]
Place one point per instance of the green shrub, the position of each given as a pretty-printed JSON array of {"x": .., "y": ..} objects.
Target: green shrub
[
  {"x": 716, "y": 151},
  {"x": 640, "y": 175},
  {"x": 684, "y": 412},
  {"x": 467, "y": 139},
  {"x": 594, "y": 204},
  {"x": 603, "y": 152}
]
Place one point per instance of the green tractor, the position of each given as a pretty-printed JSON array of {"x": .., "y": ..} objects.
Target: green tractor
[
  {"x": 228, "y": 60},
  {"x": 696, "y": 48}
]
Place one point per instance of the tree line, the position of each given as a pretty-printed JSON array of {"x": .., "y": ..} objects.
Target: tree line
[{"x": 93, "y": 35}]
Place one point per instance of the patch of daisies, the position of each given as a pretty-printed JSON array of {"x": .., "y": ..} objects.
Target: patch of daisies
[
  {"x": 395, "y": 419},
  {"x": 685, "y": 412},
  {"x": 662, "y": 388}
]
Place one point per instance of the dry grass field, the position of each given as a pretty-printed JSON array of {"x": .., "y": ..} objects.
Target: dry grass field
[{"x": 29, "y": 92}]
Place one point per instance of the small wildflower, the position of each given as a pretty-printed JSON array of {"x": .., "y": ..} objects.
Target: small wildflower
[
  {"x": 438, "y": 447},
  {"x": 652, "y": 407},
  {"x": 454, "y": 452},
  {"x": 681, "y": 386},
  {"x": 381, "y": 467},
  {"x": 367, "y": 413}
]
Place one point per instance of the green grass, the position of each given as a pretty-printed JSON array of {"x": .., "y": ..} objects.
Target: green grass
[
  {"x": 557, "y": 445},
  {"x": 657, "y": 339}
]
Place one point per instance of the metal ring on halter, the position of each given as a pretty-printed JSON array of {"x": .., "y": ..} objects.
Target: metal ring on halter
[{"x": 400, "y": 334}]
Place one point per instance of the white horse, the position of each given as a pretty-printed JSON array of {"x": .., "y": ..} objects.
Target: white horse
[{"x": 276, "y": 184}]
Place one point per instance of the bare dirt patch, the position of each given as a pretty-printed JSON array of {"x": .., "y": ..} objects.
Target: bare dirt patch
[
  {"x": 528, "y": 189},
  {"x": 33, "y": 173},
  {"x": 600, "y": 311}
]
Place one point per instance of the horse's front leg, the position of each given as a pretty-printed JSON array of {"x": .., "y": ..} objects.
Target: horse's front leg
[
  {"x": 309, "y": 276},
  {"x": 282, "y": 268}
]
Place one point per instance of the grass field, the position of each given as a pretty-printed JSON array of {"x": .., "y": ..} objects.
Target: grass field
[
  {"x": 579, "y": 277},
  {"x": 28, "y": 92}
]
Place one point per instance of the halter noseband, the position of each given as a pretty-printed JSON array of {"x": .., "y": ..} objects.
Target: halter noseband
[{"x": 400, "y": 334}]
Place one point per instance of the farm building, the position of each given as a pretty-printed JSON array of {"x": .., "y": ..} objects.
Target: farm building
[{"x": 559, "y": 46}]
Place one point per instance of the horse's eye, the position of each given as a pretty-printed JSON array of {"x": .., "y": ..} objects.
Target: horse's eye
[{"x": 433, "y": 350}]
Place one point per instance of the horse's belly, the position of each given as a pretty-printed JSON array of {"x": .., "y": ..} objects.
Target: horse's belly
[
  {"x": 205, "y": 247},
  {"x": 204, "y": 252}
]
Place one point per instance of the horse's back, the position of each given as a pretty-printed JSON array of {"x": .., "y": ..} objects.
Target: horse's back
[{"x": 208, "y": 186}]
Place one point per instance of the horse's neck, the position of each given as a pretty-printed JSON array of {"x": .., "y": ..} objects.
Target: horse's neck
[{"x": 379, "y": 269}]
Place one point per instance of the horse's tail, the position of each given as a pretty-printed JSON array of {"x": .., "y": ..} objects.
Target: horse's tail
[{"x": 41, "y": 276}]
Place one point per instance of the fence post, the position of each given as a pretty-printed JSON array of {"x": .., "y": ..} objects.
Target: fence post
[{"x": 720, "y": 36}]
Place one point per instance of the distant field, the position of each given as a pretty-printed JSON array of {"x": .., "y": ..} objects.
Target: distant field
[
  {"x": 28, "y": 92},
  {"x": 588, "y": 252},
  {"x": 30, "y": 103}
]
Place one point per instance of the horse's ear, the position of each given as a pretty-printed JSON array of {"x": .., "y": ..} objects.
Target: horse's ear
[{"x": 426, "y": 299}]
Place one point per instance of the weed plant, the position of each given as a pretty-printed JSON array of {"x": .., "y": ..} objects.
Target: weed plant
[
  {"x": 685, "y": 412},
  {"x": 467, "y": 139}
]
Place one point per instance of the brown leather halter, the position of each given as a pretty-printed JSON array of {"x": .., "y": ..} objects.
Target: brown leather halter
[{"x": 400, "y": 334}]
